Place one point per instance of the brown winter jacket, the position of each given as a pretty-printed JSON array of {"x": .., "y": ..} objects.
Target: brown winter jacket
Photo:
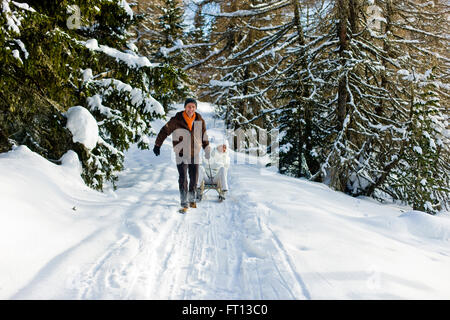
[{"x": 198, "y": 136}]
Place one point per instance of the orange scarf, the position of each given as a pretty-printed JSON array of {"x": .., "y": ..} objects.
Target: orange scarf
[{"x": 189, "y": 121}]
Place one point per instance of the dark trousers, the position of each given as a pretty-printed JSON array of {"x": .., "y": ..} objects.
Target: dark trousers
[{"x": 187, "y": 194}]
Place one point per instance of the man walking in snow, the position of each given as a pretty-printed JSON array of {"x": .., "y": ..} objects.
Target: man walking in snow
[
  {"x": 216, "y": 168},
  {"x": 188, "y": 130}
]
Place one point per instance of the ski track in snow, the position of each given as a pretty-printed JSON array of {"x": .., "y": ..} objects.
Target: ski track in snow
[{"x": 201, "y": 255}]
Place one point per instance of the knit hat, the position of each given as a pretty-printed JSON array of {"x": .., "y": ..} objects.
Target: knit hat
[{"x": 190, "y": 100}]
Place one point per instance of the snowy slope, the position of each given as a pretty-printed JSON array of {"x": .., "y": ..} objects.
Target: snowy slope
[{"x": 275, "y": 237}]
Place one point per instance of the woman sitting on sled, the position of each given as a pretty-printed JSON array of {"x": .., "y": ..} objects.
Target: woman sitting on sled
[{"x": 213, "y": 173}]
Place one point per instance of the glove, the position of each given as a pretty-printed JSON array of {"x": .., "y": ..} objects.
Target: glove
[{"x": 157, "y": 150}]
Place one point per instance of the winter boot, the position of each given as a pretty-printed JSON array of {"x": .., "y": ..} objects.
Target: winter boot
[
  {"x": 192, "y": 205},
  {"x": 183, "y": 210}
]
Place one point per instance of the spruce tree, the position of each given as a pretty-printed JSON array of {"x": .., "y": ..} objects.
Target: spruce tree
[
  {"x": 413, "y": 34},
  {"x": 247, "y": 34},
  {"x": 296, "y": 121},
  {"x": 419, "y": 179},
  {"x": 166, "y": 48},
  {"x": 73, "y": 53}
]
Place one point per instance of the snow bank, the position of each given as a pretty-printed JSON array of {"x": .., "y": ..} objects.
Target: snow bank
[
  {"x": 83, "y": 126},
  {"x": 71, "y": 161},
  {"x": 424, "y": 225},
  {"x": 37, "y": 218},
  {"x": 348, "y": 248}
]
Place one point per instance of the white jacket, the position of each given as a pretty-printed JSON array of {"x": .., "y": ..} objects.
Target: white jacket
[{"x": 217, "y": 160}]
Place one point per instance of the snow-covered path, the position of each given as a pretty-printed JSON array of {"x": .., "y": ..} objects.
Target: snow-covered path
[
  {"x": 156, "y": 253},
  {"x": 274, "y": 237}
]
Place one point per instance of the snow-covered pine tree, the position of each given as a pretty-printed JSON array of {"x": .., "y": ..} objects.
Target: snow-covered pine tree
[
  {"x": 60, "y": 54},
  {"x": 163, "y": 31},
  {"x": 199, "y": 32},
  {"x": 380, "y": 21},
  {"x": 247, "y": 33},
  {"x": 296, "y": 90},
  {"x": 17, "y": 101},
  {"x": 358, "y": 115},
  {"x": 199, "y": 43},
  {"x": 422, "y": 177},
  {"x": 267, "y": 39},
  {"x": 415, "y": 36},
  {"x": 226, "y": 32}
]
